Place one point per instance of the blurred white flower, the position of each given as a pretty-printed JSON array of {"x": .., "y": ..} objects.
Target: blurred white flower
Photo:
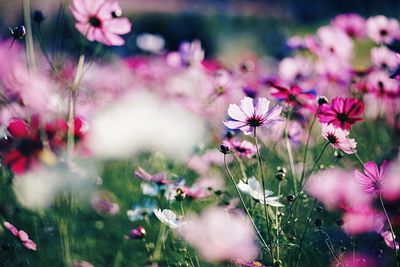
[
  {"x": 152, "y": 43},
  {"x": 143, "y": 122},
  {"x": 168, "y": 217},
  {"x": 254, "y": 189}
]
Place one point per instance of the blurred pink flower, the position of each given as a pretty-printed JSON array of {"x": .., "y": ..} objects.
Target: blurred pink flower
[
  {"x": 22, "y": 235},
  {"x": 373, "y": 177},
  {"x": 99, "y": 21},
  {"x": 334, "y": 42},
  {"x": 294, "y": 95},
  {"x": 391, "y": 186},
  {"x": 384, "y": 58},
  {"x": 336, "y": 188},
  {"x": 382, "y": 29},
  {"x": 379, "y": 84},
  {"x": 82, "y": 264},
  {"x": 388, "y": 238},
  {"x": 343, "y": 113},
  {"x": 352, "y": 24},
  {"x": 338, "y": 138},
  {"x": 362, "y": 218},
  {"x": 293, "y": 69},
  {"x": 103, "y": 203},
  {"x": 243, "y": 148},
  {"x": 355, "y": 260},
  {"x": 159, "y": 178},
  {"x": 220, "y": 236},
  {"x": 249, "y": 116}
]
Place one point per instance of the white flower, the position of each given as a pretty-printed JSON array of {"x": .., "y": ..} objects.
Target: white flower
[
  {"x": 254, "y": 189},
  {"x": 168, "y": 217}
]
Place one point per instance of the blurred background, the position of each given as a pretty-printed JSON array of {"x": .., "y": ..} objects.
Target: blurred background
[{"x": 225, "y": 27}]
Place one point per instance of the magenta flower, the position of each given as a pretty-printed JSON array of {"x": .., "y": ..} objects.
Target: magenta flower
[
  {"x": 339, "y": 139},
  {"x": 99, "y": 21},
  {"x": 352, "y": 24},
  {"x": 249, "y": 116},
  {"x": 373, "y": 177},
  {"x": 388, "y": 238},
  {"x": 22, "y": 235},
  {"x": 294, "y": 95},
  {"x": 343, "y": 113},
  {"x": 242, "y": 148}
]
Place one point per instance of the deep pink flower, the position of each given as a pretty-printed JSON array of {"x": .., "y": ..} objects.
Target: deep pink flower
[
  {"x": 382, "y": 29},
  {"x": 249, "y": 116},
  {"x": 339, "y": 139},
  {"x": 373, "y": 177},
  {"x": 243, "y": 148},
  {"x": 294, "y": 95},
  {"x": 352, "y": 24},
  {"x": 22, "y": 235},
  {"x": 343, "y": 113},
  {"x": 137, "y": 233},
  {"x": 352, "y": 259},
  {"x": 388, "y": 238},
  {"x": 99, "y": 21}
]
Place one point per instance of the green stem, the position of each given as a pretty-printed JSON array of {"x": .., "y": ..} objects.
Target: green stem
[
  {"x": 391, "y": 230},
  {"x": 303, "y": 172},
  {"x": 263, "y": 186},
  {"x": 263, "y": 243},
  {"x": 289, "y": 151}
]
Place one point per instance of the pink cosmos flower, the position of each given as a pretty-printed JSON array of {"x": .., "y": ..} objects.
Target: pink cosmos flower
[
  {"x": 355, "y": 260},
  {"x": 249, "y": 116},
  {"x": 379, "y": 84},
  {"x": 352, "y": 24},
  {"x": 384, "y": 58},
  {"x": 22, "y": 235},
  {"x": 362, "y": 219},
  {"x": 82, "y": 264},
  {"x": 382, "y": 29},
  {"x": 338, "y": 138},
  {"x": 373, "y": 177},
  {"x": 333, "y": 42},
  {"x": 292, "y": 69},
  {"x": 159, "y": 178},
  {"x": 388, "y": 238},
  {"x": 294, "y": 95},
  {"x": 243, "y": 148},
  {"x": 343, "y": 113},
  {"x": 336, "y": 188},
  {"x": 99, "y": 21},
  {"x": 220, "y": 236}
]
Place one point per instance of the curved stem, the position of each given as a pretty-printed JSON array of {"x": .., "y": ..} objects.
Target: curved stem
[
  {"x": 263, "y": 186},
  {"x": 289, "y": 151},
  {"x": 245, "y": 207},
  {"x": 303, "y": 172},
  {"x": 391, "y": 229}
]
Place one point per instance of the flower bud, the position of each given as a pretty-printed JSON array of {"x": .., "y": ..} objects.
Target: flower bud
[
  {"x": 224, "y": 149},
  {"x": 38, "y": 16},
  {"x": 322, "y": 100}
]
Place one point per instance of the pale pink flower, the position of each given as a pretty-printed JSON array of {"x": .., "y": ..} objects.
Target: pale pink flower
[
  {"x": 372, "y": 178},
  {"x": 292, "y": 69},
  {"x": 379, "y": 84},
  {"x": 334, "y": 42},
  {"x": 249, "y": 116},
  {"x": 336, "y": 188},
  {"x": 243, "y": 148},
  {"x": 362, "y": 219},
  {"x": 391, "y": 188},
  {"x": 388, "y": 238},
  {"x": 220, "y": 236},
  {"x": 352, "y": 24},
  {"x": 22, "y": 235},
  {"x": 339, "y": 138},
  {"x": 384, "y": 58},
  {"x": 382, "y": 29},
  {"x": 100, "y": 21}
]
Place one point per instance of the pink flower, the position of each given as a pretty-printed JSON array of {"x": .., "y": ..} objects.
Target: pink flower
[
  {"x": 249, "y": 116},
  {"x": 388, "y": 238},
  {"x": 336, "y": 188},
  {"x": 382, "y": 29},
  {"x": 243, "y": 148},
  {"x": 352, "y": 24},
  {"x": 391, "y": 187},
  {"x": 159, "y": 178},
  {"x": 82, "y": 264},
  {"x": 99, "y": 21},
  {"x": 383, "y": 58},
  {"x": 379, "y": 83},
  {"x": 343, "y": 113},
  {"x": 220, "y": 236},
  {"x": 294, "y": 95},
  {"x": 355, "y": 260},
  {"x": 292, "y": 69},
  {"x": 373, "y": 178},
  {"x": 362, "y": 219},
  {"x": 333, "y": 42},
  {"x": 22, "y": 235},
  {"x": 339, "y": 139}
]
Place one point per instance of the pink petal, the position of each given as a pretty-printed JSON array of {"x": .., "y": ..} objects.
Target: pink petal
[
  {"x": 247, "y": 105},
  {"x": 118, "y": 26},
  {"x": 11, "y": 228},
  {"x": 371, "y": 170},
  {"x": 29, "y": 244},
  {"x": 236, "y": 113},
  {"x": 234, "y": 124},
  {"x": 23, "y": 235},
  {"x": 18, "y": 128}
]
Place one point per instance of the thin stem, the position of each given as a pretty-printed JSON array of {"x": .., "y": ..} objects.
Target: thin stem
[
  {"x": 303, "y": 185},
  {"x": 289, "y": 151},
  {"x": 241, "y": 166},
  {"x": 303, "y": 172},
  {"x": 30, "y": 53},
  {"x": 391, "y": 229},
  {"x": 277, "y": 224},
  {"x": 264, "y": 244},
  {"x": 263, "y": 185},
  {"x": 305, "y": 231}
]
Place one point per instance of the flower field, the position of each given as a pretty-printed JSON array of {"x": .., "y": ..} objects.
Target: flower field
[{"x": 116, "y": 153}]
